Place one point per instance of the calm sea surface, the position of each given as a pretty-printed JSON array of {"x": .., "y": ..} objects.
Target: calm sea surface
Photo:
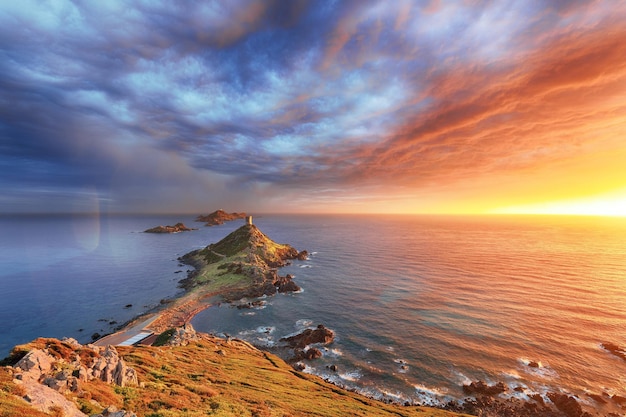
[{"x": 420, "y": 305}]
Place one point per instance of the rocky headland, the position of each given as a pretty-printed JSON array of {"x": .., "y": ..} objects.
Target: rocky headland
[
  {"x": 189, "y": 374},
  {"x": 243, "y": 264},
  {"x": 219, "y": 217},
  {"x": 178, "y": 227}
]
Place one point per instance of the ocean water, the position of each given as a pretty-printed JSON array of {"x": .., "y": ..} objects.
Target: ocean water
[
  {"x": 420, "y": 305},
  {"x": 74, "y": 275},
  {"x": 423, "y": 305}
]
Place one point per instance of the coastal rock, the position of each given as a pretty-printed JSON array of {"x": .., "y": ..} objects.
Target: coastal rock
[
  {"x": 481, "y": 388},
  {"x": 618, "y": 399},
  {"x": 178, "y": 227},
  {"x": 312, "y": 353},
  {"x": 310, "y": 336},
  {"x": 219, "y": 217},
  {"x": 286, "y": 284},
  {"x": 302, "y": 255},
  {"x": 615, "y": 350},
  {"x": 566, "y": 404}
]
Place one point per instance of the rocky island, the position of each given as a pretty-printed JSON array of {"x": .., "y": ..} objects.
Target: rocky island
[
  {"x": 219, "y": 217},
  {"x": 243, "y": 264},
  {"x": 178, "y": 227}
]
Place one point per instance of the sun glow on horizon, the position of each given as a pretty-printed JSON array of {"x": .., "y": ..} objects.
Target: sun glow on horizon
[{"x": 613, "y": 205}]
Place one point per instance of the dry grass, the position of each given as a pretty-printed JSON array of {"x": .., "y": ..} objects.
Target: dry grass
[
  {"x": 11, "y": 402},
  {"x": 211, "y": 377}
]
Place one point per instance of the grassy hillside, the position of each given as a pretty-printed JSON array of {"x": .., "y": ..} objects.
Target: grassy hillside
[{"x": 211, "y": 377}]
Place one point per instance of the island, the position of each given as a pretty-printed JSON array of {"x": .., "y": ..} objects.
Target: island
[
  {"x": 219, "y": 217},
  {"x": 178, "y": 227},
  {"x": 243, "y": 264},
  {"x": 159, "y": 365}
]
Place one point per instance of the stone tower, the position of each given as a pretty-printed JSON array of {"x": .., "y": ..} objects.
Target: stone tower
[{"x": 248, "y": 219}]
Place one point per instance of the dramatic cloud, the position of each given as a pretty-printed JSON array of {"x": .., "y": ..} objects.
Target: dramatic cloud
[{"x": 407, "y": 106}]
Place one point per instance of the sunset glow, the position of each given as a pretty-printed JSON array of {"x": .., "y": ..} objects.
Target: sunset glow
[
  {"x": 608, "y": 206},
  {"x": 403, "y": 107}
]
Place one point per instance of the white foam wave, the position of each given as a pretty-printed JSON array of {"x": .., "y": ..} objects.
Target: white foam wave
[
  {"x": 247, "y": 313},
  {"x": 304, "y": 323},
  {"x": 265, "y": 329},
  {"x": 265, "y": 341},
  {"x": 538, "y": 369},
  {"x": 512, "y": 373},
  {"x": 305, "y": 266},
  {"x": 333, "y": 352},
  {"x": 461, "y": 378},
  {"x": 431, "y": 396},
  {"x": 351, "y": 376}
]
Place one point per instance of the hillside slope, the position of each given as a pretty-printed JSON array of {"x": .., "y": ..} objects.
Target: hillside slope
[{"x": 207, "y": 376}]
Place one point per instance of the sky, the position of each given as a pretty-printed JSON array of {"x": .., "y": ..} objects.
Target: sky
[{"x": 459, "y": 106}]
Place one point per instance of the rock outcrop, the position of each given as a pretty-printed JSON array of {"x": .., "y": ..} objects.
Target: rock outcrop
[
  {"x": 481, "y": 388},
  {"x": 178, "y": 227},
  {"x": 308, "y": 337},
  {"x": 182, "y": 336},
  {"x": 53, "y": 367},
  {"x": 61, "y": 365},
  {"x": 301, "y": 343},
  {"x": 615, "y": 350},
  {"x": 219, "y": 217}
]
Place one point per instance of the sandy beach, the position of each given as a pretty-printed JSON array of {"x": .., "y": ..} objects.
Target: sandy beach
[{"x": 175, "y": 313}]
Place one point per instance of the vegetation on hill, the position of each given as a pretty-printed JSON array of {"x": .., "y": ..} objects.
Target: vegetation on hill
[
  {"x": 208, "y": 377},
  {"x": 243, "y": 264}
]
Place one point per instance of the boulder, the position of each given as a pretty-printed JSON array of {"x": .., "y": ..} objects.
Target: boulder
[
  {"x": 183, "y": 335},
  {"x": 482, "y": 388},
  {"x": 110, "y": 368},
  {"x": 46, "y": 399},
  {"x": 615, "y": 350},
  {"x": 286, "y": 284},
  {"x": 312, "y": 353},
  {"x": 35, "y": 364},
  {"x": 309, "y": 336},
  {"x": 566, "y": 404}
]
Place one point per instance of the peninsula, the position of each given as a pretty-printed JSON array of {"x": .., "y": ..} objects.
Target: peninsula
[
  {"x": 178, "y": 372},
  {"x": 219, "y": 217}
]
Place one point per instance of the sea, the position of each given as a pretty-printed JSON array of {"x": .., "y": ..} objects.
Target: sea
[{"x": 420, "y": 305}]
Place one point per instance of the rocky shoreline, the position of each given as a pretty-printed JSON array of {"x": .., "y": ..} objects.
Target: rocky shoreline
[
  {"x": 245, "y": 265},
  {"x": 262, "y": 279}
]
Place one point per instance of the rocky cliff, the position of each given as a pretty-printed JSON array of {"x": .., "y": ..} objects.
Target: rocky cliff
[
  {"x": 244, "y": 264},
  {"x": 219, "y": 217}
]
